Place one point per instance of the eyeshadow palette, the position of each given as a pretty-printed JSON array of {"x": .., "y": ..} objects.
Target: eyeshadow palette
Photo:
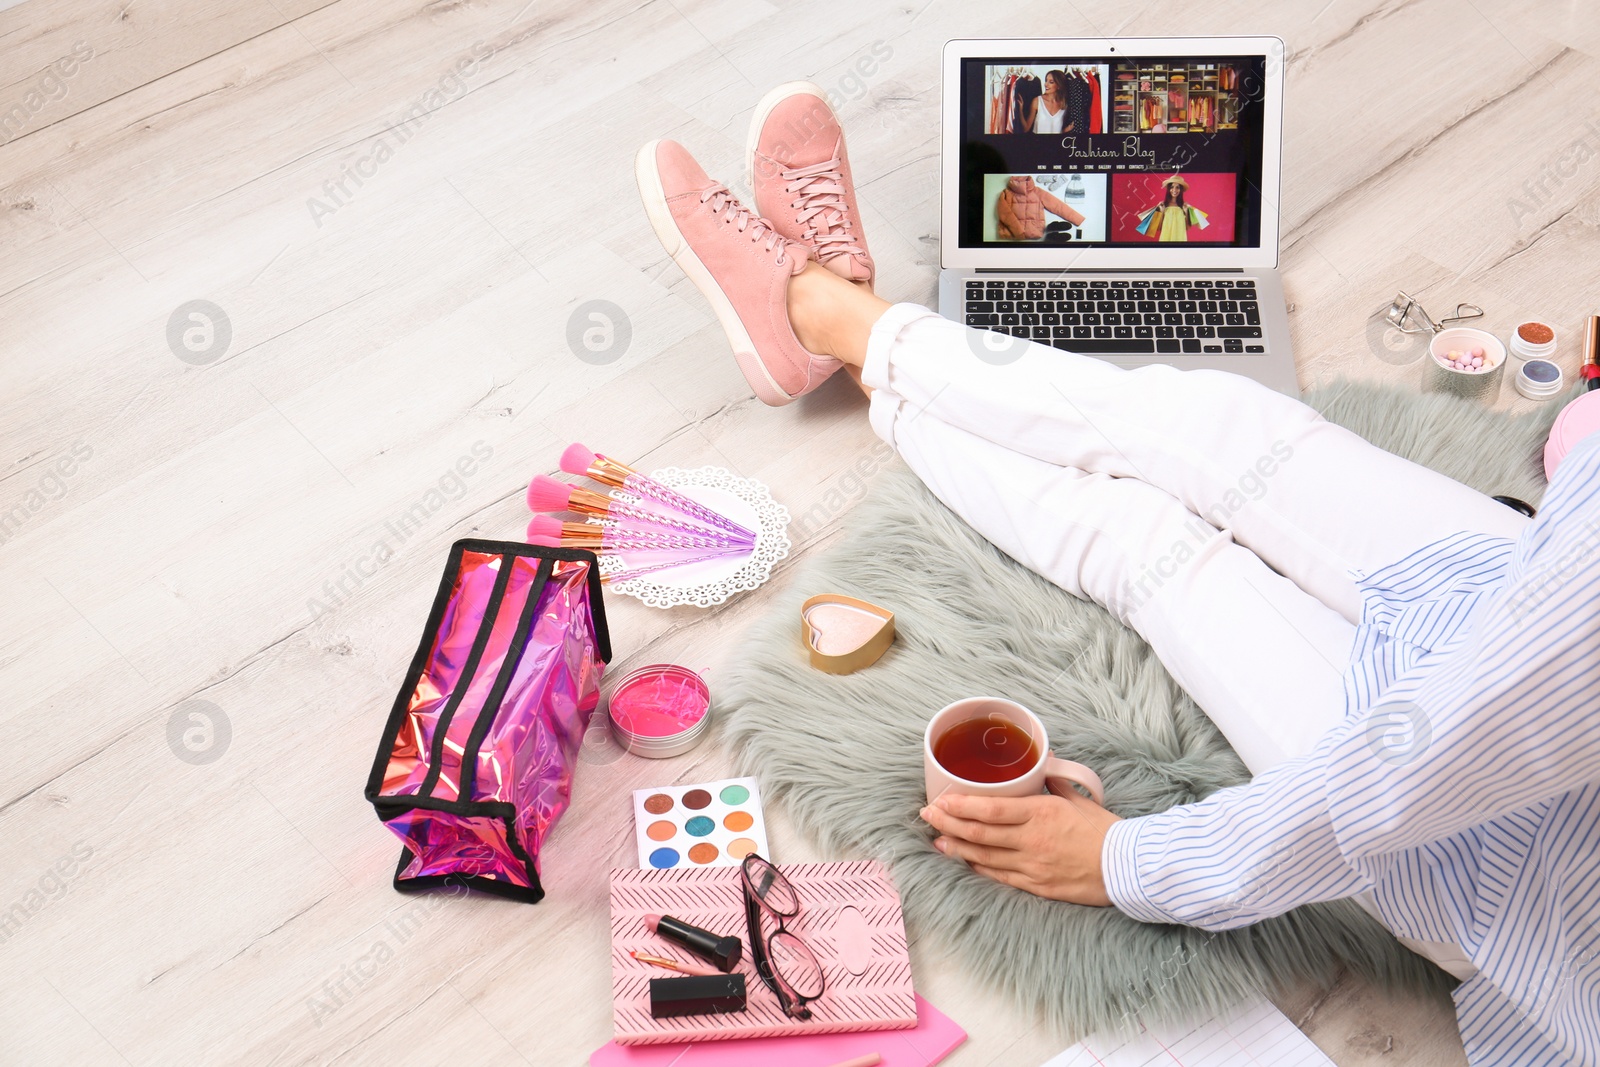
[{"x": 682, "y": 827}]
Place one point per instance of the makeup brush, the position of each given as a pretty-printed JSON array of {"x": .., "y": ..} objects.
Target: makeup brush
[
  {"x": 673, "y": 965},
  {"x": 551, "y": 494},
  {"x": 631, "y": 573},
  {"x": 545, "y": 530},
  {"x": 580, "y": 460}
]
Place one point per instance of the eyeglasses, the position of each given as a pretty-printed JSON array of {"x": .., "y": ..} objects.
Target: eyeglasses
[{"x": 785, "y": 963}]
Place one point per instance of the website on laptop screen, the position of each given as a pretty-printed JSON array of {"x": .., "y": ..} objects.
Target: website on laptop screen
[{"x": 1111, "y": 153}]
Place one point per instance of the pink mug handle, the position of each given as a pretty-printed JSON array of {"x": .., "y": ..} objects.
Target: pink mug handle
[{"x": 1060, "y": 775}]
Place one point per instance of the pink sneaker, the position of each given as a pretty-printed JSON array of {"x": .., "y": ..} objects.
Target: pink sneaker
[
  {"x": 801, "y": 178},
  {"x": 741, "y": 265}
]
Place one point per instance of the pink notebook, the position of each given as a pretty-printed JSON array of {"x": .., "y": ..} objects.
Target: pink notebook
[
  {"x": 935, "y": 1036},
  {"x": 849, "y": 915}
]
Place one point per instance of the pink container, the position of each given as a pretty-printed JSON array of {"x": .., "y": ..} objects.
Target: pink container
[
  {"x": 660, "y": 710},
  {"x": 1577, "y": 420},
  {"x": 476, "y": 761}
]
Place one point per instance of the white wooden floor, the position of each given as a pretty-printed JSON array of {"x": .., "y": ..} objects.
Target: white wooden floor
[{"x": 398, "y": 207}]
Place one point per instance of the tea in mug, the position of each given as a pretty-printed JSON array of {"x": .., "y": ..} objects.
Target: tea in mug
[{"x": 991, "y": 749}]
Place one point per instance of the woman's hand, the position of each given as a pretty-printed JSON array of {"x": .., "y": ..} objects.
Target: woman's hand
[{"x": 1045, "y": 845}]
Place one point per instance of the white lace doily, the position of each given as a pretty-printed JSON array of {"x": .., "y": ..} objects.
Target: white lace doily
[{"x": 745, "y": 501}]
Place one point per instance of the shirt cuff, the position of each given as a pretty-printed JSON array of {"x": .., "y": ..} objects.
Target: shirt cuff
[{"x": 1119, "y": 866}]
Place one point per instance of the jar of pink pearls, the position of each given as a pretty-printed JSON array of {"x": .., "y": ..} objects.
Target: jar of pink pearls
[{"x": 1466, "y": 362}]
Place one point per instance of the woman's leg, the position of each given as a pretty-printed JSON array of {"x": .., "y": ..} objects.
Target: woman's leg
[
  {"x": 1262, "y": 658},
  {"x": 1312, "y": 499}
]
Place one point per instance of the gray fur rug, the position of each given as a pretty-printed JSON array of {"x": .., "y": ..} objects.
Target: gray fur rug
[{"x": 842, "y": 755}]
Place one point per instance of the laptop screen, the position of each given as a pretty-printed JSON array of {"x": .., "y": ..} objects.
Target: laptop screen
[{"x": 1111, "y": 152}]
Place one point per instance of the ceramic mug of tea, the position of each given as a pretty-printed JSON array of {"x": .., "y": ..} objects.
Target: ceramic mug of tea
[{"x": 986, "y": 746}]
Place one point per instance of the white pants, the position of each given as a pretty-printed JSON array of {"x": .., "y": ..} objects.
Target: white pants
[{"x": 1222, "y": 521}]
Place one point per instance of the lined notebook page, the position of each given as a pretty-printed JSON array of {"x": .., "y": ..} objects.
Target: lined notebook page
[{"x": 1258, "y": 1034}]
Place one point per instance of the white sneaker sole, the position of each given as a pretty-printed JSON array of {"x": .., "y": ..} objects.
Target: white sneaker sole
[{"x": 672, "y": 239}]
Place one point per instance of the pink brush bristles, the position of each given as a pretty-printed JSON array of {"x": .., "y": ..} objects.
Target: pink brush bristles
[
  {"x": 577, "y": 459},
  {"x": 544, "y": 527},
  {"x": 548, "y": 494}
]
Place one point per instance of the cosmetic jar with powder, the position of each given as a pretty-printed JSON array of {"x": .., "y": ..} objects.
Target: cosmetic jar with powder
[
  {"x": 1533, "y": 340},
  {"x": 1539, "y": 379},
  {"x": 1466, "y": 362},
  {"x": 660, "y": 710}
]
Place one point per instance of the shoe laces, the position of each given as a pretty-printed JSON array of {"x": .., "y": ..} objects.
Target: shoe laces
[
  {"x": 725, "y": 204},
  {"x": 820, "y": 207}
]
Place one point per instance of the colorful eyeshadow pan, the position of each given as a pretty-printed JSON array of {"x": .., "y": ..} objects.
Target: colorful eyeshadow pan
[{"x": 716, "y": 824}]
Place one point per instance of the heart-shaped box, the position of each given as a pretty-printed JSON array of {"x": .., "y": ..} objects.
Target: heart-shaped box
[{"x": 844, "y": 634}]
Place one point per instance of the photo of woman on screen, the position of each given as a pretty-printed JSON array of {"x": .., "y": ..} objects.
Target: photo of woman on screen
[{"x": 1172, "y": 219}]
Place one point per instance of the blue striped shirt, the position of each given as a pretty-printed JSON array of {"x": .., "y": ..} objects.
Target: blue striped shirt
[{"x": 1462, "y": 789}]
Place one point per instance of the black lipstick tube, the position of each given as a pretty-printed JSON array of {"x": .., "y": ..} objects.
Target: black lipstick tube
[{"x": 722, "y": 952}]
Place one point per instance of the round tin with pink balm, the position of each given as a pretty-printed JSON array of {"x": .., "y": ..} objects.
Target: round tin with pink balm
[{"x": 660, "y": 710}]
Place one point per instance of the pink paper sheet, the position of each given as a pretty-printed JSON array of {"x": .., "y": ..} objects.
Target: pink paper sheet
[{"x": 935, "y": 1036}]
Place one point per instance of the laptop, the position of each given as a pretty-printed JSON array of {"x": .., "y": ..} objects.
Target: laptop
[{"x": 1117, "y": 197}]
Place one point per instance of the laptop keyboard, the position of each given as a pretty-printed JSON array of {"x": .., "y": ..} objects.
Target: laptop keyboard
[{"x": 1162, "y": 316}]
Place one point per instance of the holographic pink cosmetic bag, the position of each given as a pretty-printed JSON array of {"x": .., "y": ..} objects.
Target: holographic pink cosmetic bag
[{"x": 476, "y": 761}]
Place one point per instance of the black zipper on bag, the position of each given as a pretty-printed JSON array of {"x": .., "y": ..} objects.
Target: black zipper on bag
[
  {"x": 508, "y": 670},
  {"x": 491, "y": 612}
]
